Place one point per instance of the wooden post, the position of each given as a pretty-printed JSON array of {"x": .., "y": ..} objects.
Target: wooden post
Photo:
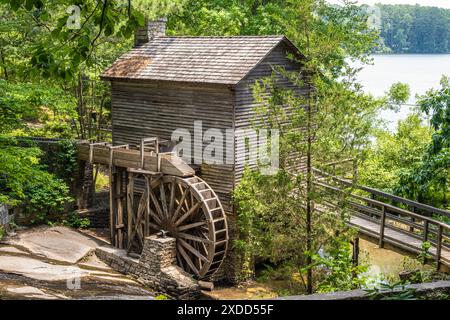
[
  {"x": 425, "y": 230},
  {"x": 111, "y": 205},
  {"x": 372, "y": 196},
  {"x": 439, "y": 248},
  {"x": 147, "y": 207},
  {"x": 382, "y": 224},
  {"x": 119, "y": 205},
  {"x": 355, "y": 255},
  {"x": 130, "y": 207},
  {"x": 411, "y": 228}
]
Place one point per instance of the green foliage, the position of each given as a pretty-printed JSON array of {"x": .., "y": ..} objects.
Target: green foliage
[
  {"x": 342, "y": 28},
  {"x": 44, "y": 195},
  {"x": 73, "y": 220},
  {"x": 161, "y": 297},
  {"x": 395, "y": 291},
  {"x": 424, "y": 254},
  {"x": 61, "y": 160},
  {"x": 428, "y": 180},
  {"x": 398, "y": 94},
  {"x": 2, "y": 232},
  {"x": 340, "y": 271},
  {"x": 394, "y": 153},
  {"x": 415, "y": 29},
  {"x": 102, "y": 182},
  {"x": 24, "y": 182},
  {"x": 27, "y": 105},
  {"x": 276, "y": 217}
]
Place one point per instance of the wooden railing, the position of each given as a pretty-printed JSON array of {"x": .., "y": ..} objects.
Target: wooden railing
[{"x": 368, "y": 203}]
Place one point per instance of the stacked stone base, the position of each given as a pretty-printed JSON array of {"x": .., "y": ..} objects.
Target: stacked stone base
[{"x": 156, "y": 268}]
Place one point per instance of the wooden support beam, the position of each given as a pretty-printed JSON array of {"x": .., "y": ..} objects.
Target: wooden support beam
[{"x": 170, "y": 163}]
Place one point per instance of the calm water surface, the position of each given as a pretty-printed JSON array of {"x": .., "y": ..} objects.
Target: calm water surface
[{"x": 420, "y": 71}]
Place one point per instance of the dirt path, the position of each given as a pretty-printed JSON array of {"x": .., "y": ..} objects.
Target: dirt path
[{"x": 59, "y": 263}]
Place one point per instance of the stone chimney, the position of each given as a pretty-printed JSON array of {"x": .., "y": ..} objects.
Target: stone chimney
[{"x": 150, "y": 30}]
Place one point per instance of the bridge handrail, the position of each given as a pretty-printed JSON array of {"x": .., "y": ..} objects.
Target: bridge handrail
[
  {"x": 386, "y": 195},
  {"x": 389, "y": 206},
  {"x": 441, "y": 237}
]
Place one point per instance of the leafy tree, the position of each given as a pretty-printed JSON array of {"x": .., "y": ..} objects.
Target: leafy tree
[
  {"x": 415, "y": 29},
  {"x": 428, "y": 181},
  {"x": 398, "y": 94},
  {"x": 23, "y": 181},
  {"x": 336, "y": 117},
  {"x": 394, "y": 153}
]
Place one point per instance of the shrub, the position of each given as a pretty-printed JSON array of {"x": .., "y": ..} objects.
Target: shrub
[
  {"x": 44, "y": 195},
  {"x": 25, "y": 182},
  {"x": 75, "y": 221}
]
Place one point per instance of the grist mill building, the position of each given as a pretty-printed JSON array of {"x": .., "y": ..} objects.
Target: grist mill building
[{"x": 166, "y": 83}]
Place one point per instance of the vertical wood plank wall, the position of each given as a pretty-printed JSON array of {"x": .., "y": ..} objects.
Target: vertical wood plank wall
[{"x": 157, "y": 109}]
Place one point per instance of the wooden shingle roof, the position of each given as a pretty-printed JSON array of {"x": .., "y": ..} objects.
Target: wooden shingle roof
[{"x": 218, "y": 60}]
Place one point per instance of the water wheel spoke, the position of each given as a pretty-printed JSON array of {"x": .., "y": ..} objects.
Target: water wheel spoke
[
  {"x": 187, "y": 259},
  {"x": 156, "y": 203},
  {"x": 172, "y": 197},
  {"x": 180, "y": 204},
  {"x": 192, "y": 225},
  {"x": 193, "y": 238},
  {"x": 200, "y": 261},
  {"x": 188, "y": 213},
  {"x": 155, "y": 216},
  {"x": 193, "y": 250},
  {"x": 155, "y": 226},
  {"x": 162, "y": 194},
  {"x": 183, "y": 201}
]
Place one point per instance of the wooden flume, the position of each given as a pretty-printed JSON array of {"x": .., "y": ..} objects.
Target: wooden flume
[{"x": 153, "y": 192}]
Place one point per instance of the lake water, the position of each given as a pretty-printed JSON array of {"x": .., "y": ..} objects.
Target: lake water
[{"x": 420, "y": 71}]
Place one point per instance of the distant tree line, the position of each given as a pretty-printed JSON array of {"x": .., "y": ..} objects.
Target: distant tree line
[{"x": 414, "y": 29}]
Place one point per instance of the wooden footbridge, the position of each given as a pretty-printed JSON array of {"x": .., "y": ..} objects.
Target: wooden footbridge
[{"x": 393, "y": 220}]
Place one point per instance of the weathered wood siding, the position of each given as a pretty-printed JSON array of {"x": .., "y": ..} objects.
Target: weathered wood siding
[
  {"x": 245, "y": 103},
  {"x": 149, "y": 109}
]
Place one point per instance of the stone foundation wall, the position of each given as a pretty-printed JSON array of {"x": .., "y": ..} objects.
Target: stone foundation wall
[{"x": 156, "y": 268}]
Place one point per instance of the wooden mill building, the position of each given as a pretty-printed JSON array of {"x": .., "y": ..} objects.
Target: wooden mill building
[{"x": 166, "y": 83}]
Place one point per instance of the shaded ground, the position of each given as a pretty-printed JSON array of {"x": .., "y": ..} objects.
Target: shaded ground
[
  {"x": 59, "y": 263},
  {"x": 251, "y": 290}
]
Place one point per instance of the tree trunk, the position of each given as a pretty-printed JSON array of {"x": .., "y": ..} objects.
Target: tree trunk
[{"x": 309, "y": 207}]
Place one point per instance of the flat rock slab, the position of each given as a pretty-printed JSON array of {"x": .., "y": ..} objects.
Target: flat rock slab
[
  {"x": 56, "y": 243},
  {"x": 92, "y": 262},
  {"x": 12, "y": 250},
  {"x": 32, "y": 293},
  {"x": 39, "y": 270}
]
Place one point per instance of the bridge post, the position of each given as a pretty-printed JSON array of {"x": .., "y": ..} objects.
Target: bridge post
[
  {"x": 355, "y": 255},
  {"x": 439, "y": 248},
  {"x": 382, "y": 225},
  {"x": 425, "y": 230}
]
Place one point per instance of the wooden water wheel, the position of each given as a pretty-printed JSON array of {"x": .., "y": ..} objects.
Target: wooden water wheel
[{"x": 187, "y": 209}]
